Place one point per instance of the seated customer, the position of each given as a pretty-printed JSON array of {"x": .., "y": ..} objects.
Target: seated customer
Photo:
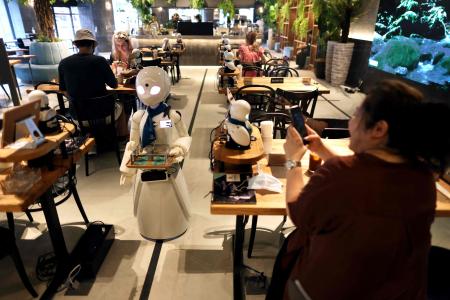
[
  {"x": 85, "y": 75},
  {"x": 363, "y": 221},
  {"x": 121, "y": 50},
  {"x": 251, "y": 53}
]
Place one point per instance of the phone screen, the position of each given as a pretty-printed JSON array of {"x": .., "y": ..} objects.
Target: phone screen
[{"x": 299, "y": 122}]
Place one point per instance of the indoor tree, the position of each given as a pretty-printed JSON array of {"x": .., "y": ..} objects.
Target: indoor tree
[
  {"x": 337, "y": 15},
  {"x": 144, "y": 9},
  {"x": 197, "y": 4},
  {"x": 44, "y": 18}
]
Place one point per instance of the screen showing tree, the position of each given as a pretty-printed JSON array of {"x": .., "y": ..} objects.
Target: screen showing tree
[{"x": 412, "y": 40}]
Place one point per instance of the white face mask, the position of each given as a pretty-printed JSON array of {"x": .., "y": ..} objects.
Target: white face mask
[{"x": 264, "y": 181}]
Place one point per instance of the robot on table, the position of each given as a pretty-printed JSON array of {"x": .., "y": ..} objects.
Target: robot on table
[{"x": 161, "y": 198}]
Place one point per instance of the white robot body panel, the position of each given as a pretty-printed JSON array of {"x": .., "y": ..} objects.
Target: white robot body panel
[
  {"x": 162, "y": 207},
  {"x": 238, "y": 133}
]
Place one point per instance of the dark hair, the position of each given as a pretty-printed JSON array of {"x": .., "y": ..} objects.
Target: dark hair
[
  {"x": 84, "y": 43},
  {"x": 418, "y": 130},
  {"x": 251, "y": 37}
]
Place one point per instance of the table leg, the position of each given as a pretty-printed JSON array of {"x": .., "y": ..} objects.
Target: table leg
[
  {"x": 238, "y": 260},
  {"x": 31, "y": 71},
  {"x": 62, "y": 107},
  {"x": 58, "y": 242}
]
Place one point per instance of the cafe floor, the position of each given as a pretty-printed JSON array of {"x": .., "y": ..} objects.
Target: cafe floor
[{"x": 198, "y": 265}]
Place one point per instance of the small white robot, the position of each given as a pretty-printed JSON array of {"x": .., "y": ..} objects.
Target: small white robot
[
  {"x": 228, "y": 60},
  {"x": 47, "y": 116},
  {"x": 161, "y": 198},
  {"x": 239, "y": 129},
  {"x": 166, "y": 45}
]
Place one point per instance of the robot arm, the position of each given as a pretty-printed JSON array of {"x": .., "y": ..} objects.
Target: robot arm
[
  {"x": 132, "y": 145},
  {"x": 180, "y": 147}
]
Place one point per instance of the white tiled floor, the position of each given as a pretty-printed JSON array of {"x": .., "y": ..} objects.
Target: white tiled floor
[{"x": 198, "y": 265}]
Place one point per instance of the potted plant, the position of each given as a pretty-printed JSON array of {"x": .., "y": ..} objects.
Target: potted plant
[
  {"x": 144, "y": 10},
  {"x": 336, "y": 16}
]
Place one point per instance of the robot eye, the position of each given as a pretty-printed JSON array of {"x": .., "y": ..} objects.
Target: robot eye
[{"x": 146, "y": 84}]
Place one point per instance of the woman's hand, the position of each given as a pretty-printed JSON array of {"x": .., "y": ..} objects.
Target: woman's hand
[
  {"x": 294, "y": 147},
  {"x": 316, "y": 145}
]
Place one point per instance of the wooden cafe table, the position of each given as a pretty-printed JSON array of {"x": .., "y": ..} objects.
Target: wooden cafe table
[
  {"x": 290, "y": 84},
  {"x": 42, "y": 192},
  {"x": 268, "y": 203}
]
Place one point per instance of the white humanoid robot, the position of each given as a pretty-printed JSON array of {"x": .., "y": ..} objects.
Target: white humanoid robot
[
  {"x": 228, "y": 60},
  {"x": 239, "y": 129},
  {"x": 47, "y": 116},
  {"x": 161, "y": 198},
  {"x": 166, "y": 45}
]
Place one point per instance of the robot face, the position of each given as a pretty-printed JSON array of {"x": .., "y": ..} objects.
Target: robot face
[{"x": 152, "y": 85}]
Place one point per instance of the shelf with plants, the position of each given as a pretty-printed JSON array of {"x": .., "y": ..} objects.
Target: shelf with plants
[{"x": 305, "y": 30}]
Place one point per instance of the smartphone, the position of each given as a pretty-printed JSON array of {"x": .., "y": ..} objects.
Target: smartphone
[{"x": 299, "y": 122}]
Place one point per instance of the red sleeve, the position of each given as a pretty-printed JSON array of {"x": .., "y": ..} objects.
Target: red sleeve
[{"x": 317, "y": 204}]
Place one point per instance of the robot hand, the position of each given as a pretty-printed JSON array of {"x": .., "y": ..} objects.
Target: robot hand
[
  {"x": 177, "y": 152},
  {"x": 125, "y": 179}
]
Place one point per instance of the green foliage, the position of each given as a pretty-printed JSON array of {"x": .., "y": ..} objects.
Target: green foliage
[
  {"x": 402, "y": 52},
  {"x": 144, "y": 9},
  {"x": 409, "y": 14},
  {"x": 335, "y": 16},
  {"x": 445, "y": 63},
  {"x": 300, "y": 24},
  {"x": 284, "y": 14},
  {"x": 45, "y": 39},
  {"x": 270, "y": 13},
  {"x": 227, "y": 7},
  {"x": 197, "y": 4}
]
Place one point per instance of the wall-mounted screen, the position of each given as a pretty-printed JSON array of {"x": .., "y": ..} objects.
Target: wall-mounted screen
[{"x": 412, "y": 40}]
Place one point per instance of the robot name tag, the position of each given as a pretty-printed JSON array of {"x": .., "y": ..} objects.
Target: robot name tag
[{"x": 165, "y": 124}]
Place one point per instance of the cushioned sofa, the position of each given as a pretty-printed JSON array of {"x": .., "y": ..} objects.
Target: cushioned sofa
[{"x": 45, "y": 65}]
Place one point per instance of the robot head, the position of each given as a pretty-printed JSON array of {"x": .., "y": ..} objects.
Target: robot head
[
  {"x": 179, "y": 39},
  {"x": 239, "y": 110},
  {"x": 227, "y": 47},
  {"x": 152, "y": 85},
  {"x": 165, "y": 45},
  {"x": 39, "y": 95},
  {"x": 226, "y": 41}
]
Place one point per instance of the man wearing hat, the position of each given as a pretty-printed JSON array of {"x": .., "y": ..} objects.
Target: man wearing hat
[{"x": 85, "y": 75}]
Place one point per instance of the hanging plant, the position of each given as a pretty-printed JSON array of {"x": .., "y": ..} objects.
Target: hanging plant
[
  {"x": 284, "y": 14},
  {"x": 227, "y": 7},
  {"x": 197, "y": 4},
  {"x": 270, "y": 14},
  {"x": 144, "y": 9},
  {"x": 300, "y": 24}
]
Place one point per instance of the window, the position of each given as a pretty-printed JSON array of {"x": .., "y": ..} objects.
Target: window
[
  {"x": 67, "y": 21},
  {"x": 125, "y": 16},
  {"x": 6, "y": 33}
]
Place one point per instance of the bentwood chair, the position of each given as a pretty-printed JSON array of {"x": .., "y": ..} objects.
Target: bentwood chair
[
  {"x": 95, "y": 117},
  {"x": 275, "y": 63},
  {"x": 261, "y": 102},
  {"x": 306, "y": 100},
  {"x": 8, "y": 247},
  {"x": 283, "y": 72}
]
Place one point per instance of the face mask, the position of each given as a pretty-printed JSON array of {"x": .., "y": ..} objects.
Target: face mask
[{"x": 264, "y": 181}]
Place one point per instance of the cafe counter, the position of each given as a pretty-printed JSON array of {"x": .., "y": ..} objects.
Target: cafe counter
[{"x": 200, "y": 50}]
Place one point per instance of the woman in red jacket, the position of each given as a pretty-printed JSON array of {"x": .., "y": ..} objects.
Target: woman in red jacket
[{"x": 363, "y": 221}]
